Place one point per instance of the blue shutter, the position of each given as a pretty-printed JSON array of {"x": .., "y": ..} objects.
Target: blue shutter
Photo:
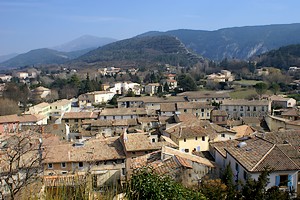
[
  {"x": 277, "y": 180},
  {"x": 198, "y": 148},
  {"x": 290, "y": 180}
]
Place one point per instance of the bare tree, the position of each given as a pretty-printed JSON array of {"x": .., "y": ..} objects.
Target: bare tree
[{"x": 21, "y": 163}]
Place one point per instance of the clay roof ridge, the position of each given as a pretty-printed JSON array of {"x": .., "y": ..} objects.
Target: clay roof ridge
[{"x": 263, "y": 157}]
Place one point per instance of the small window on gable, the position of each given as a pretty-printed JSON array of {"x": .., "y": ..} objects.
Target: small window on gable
[
  {"x": 50, "y": 166},
  {"x": 223, "y": 135}
]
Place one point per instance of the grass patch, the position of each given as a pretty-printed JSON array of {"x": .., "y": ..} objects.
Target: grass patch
[
  {"x": 246, "y": 82},
  {"x": 243, "y": 93}
]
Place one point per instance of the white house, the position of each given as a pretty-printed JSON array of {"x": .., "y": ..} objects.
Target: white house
[
  {"x": 96, "y": 97},
  {"x": 124, "y": 87},
  {"x": 249, "y": 156},
  {"x": 283, "y": 102}
]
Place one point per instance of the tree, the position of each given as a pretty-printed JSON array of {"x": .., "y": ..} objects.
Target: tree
[
  {"x": 214, "y": 189},
  {"x": 275, "y": 88},
  {"x": 21, "y": 164},
  {"x": 255, "y": 189},
  {"x": 145, "y": 184},
  {"x": 261, "y": 88},
  {"x": 227, "y": 179},
  {"x": 11, "y": 107},
  {"x": 186, "y": 82},
  {"x": 166, "y": 87}
]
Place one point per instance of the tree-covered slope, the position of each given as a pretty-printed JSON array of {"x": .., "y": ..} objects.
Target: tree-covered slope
[
  {"x": 156, "y": 49},
  {"x": 283, "y": 58},
  {"x": 237, "y": 42}
]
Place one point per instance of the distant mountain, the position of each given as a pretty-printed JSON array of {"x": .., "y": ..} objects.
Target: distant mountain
[
  {"x": 42, "y": 56},
  {"x": 7, "y": 57},
  {"x": 143, "y": 50},
  {"x": 237, "y": 42},
  {"x": 283, "y": 58},
  {"x": 84, "y": 42}
]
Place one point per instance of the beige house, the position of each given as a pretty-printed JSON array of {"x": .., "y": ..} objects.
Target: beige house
[
  {"x": 283, "y": 102},
  {"x": 103, "y": 159},
  {"x": 58, "y": 108},
  {"x": 151, "y": 88},
  {"x": 75, "y": 119}
]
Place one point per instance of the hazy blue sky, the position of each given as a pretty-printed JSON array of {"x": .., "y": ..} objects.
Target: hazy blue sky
[{"x": 31, "y": 24}]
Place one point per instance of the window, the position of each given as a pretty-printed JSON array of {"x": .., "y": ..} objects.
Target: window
[
  {"x": 223, "y": 135},
  {"x": 153, "y": 140},
  {"x": 237, "y": 167},
  {"x": 202, "y": 110},
  {"x": 262, "y": 108},
  {"x": 184, "y": 139},
  {"x": 245, "y": 175},
  {"x": 196, "y": 138},
  {"x": 248, "y": 108},
  {"x": 80, "y": 164},
  {"x": 283, "y": 180},
  {"x": 254, "y": 108},
  {"x": 63, "y": 165},
  {"x": 242, "y": 108},
  {"x": 50, "y": 166},
  {"x": 207, "y": 114},
  {"x": 185, "y": 110},
  {"x": 66, "y": 120},
  {"x": 186, "y": 150},
  {"x": 76, "y": 120},
  {"x": 203, "y": 138},
  {"x": 104, "y": 117}
]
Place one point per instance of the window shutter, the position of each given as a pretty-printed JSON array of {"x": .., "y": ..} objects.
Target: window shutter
[
  {"x": 277, "y": 180},
  {"x": 290, "y": 180}
]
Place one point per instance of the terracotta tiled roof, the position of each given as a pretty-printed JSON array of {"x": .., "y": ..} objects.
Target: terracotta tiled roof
[
  {"x": 20, "y": 118},
  {"x": 170, "y": 151},
  {"x": 257, "y": 152},
  {"x": 193, "y": 105},
  {"x": 219, "y": 113},
  {"x": 123, "y": 111},
  {"x": 204, "y": 94},
  {"x": 80, "y": 115},
  {"x": 115, "y": 122},
  {"x": 168, "y": 107},
  {"x": 243, "y": 102},
  {"x": 242, "y": 130},
  {"x": 152, "y": 99},
  {"x": 291, "y": 112},
  {"x": 92, "y": 150},
  {"x": 141, "y": 142}
]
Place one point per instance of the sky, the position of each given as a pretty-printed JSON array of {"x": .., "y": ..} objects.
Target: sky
[{"x": 33, "y": 24}]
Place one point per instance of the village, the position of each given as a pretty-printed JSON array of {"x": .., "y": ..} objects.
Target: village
[{"x": 122, "y": 126}]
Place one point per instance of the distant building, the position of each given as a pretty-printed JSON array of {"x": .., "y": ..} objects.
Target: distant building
[
  {"x": 151, "y": 88},
  {"x": 96, "y": 97},
  {"x": 237, "y": 108},
  {"x": 205, "y": 96}
]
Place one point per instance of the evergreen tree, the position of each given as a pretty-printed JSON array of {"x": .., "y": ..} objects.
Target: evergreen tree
[
  {"x": 227, "y": 179},
  {"x": 166, "y": 87}
]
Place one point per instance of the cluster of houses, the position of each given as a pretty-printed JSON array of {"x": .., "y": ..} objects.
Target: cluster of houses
[{"x": 192, "y": 135}]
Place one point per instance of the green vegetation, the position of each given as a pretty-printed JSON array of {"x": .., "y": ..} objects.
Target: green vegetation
[
  {"x": 186, "y": 82},
  {"x": 246, "y": 82},
  {"x": 283, "y": 58},
  {"x": 243, "y": 93},
  {"x": 145, "y": 184},
  {"x": 142, "y": 51}
]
